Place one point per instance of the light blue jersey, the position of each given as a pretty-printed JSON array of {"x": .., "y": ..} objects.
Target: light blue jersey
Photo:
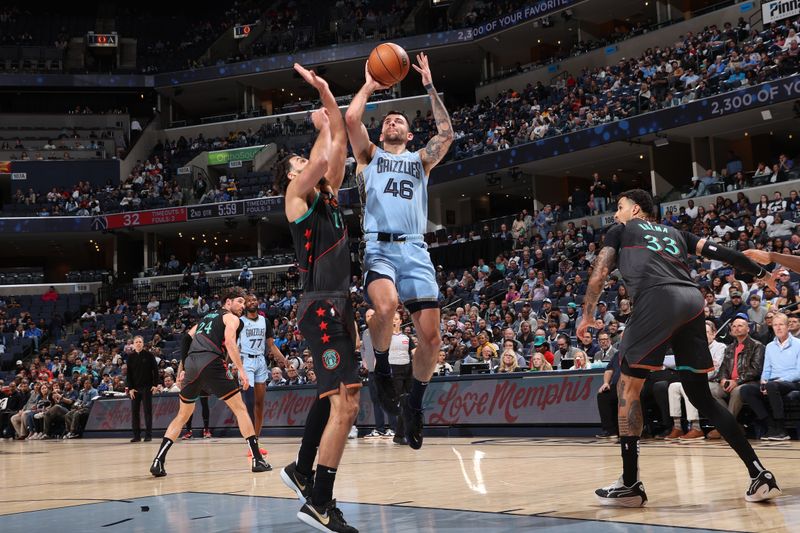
[
  {"x": 397, "y": 194},
  {"x": 252, "y": 339}
]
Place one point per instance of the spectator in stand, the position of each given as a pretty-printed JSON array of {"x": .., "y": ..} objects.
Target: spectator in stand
[
  {"x": 277, "y": 378},
  {"x": 77, "y": 417},
  {"x": 51, "y": 295},
  {"x": 781, "y": 376},
  {"x": 539, "y": 364}
]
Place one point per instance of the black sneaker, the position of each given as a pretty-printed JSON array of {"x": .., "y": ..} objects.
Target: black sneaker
[
  {"x": 136, "y": 439},
  {"x": 399, "y": 439},
  {"x": 157, "y": 468},
  {"x": 775, "y": 434},
  {"x": 260, "y": 465},
  {"x": 387, "y": 393},
  {"x": 296, "y": 481},
  {"x": 762, "y": 488},
  {"x": 606, "y": 435},
  {"x": 412, "y": 423},
  {"x": 325, "y": 518},
  {"x": 618, "y": 495}
]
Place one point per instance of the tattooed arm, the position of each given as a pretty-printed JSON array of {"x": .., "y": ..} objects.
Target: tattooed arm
[
  {"x": 603, "y": 265},
  {"x": 437, "y": 147}
]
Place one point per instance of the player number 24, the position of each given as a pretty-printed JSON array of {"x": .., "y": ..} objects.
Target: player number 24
[
  {"x": 655, "y": 244},
  {"x": 405, "y": 189}
]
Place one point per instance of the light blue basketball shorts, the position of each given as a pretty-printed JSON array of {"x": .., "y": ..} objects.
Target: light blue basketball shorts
[
  {"x": 408, "y": 265},
  {"x": 256, "y": 368}
]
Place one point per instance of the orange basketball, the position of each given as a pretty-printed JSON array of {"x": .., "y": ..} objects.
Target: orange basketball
[{"x": 388, "y": 64}]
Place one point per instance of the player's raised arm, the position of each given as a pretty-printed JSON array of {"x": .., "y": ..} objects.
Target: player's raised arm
[
  {"x": 338, "y": 150},
  {"x": 363, "y": 148},
  {"x": 437, "y": 147},
  {"x": 304, "y": 182}
]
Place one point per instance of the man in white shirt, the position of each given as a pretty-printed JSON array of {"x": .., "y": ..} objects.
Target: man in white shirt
[
  {"x": 778, "y": 204},
  {"x": 691, "y": 210},
  {"x": 723, "y": 228},
  {"x": 765, "y": 216}
]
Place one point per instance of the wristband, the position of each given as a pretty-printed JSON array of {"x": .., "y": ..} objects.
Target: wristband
[{"x": 428, "y": 86}]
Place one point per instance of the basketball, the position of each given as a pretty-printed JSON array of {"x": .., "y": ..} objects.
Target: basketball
[{"x": 388, "y": 64}]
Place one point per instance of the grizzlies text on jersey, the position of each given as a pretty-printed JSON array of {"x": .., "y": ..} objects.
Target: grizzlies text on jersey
[{"x": 397, "y": 194}]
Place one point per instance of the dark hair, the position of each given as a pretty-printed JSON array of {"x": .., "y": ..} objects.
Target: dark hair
[
  {"x": 395, "y": 112},
  {"x": 641, "y": 198},
  {"x": 282, "y": 169},
  {"x": 232, "y": 293}
]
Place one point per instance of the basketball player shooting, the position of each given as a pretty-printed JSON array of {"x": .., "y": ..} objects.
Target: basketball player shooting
[
  {"x": 202, "y": 368},
  {"x": 325, "y": 314},
  {"x": 668, "y": 310},
  {"x": 397, "y": 265}
]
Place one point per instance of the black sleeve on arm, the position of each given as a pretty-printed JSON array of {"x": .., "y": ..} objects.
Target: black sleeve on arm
[
  {"x": 737, "y": 260},
  {"x": 691, "y": 242},
  {"x": 186, "y": 341}
]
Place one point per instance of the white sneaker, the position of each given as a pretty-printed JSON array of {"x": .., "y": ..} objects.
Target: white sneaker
[
  {"x": 374, "y": 434},
  {"x": 389, "y": 434},
  {"x": 353, "y": 433}
]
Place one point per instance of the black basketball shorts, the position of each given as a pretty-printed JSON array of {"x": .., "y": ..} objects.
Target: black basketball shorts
[
  {"x": 326, "y": 321},
  {"x": 664, "y": 316},
  {"x": 206, "y": 374}
]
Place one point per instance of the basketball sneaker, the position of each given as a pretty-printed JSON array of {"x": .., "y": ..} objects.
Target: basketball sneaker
[
  {"x": 186, "y": 436},
  {"x": 762, "y": 488},
  {"x": 374, "y": 434},
  {"x": 353, "y": 433},
  {"x": 327, "y": 517},
  {"x": 618, "y": 495},
  {"x": 412, "y": 423},
  {"x": 260, "y": 465},
  {"x": 157, "y": 468},
  {"x": 387, "y": 393},
  {"x": 296, "y": 481},
  {"x": 389, "y": 434},
  {"x": 206, "y": 433}
]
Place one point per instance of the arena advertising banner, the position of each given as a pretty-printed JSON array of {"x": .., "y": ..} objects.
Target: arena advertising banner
[
  {"x": 779, "y": 10},
  {"x": 743, "y": 99},
  {"x": 531, "y": 11},
  {"x": 224, "y": 157},
  {"x": 555, "y": 398}
]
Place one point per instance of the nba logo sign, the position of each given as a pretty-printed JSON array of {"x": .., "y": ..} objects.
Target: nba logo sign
[{"x": 330, "y": 359}]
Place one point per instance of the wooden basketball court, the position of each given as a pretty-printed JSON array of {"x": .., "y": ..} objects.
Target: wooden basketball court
[{"x": 452, "y": 484}]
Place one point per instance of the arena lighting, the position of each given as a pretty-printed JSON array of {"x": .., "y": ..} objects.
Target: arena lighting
[{"x": 766, "y": 114}]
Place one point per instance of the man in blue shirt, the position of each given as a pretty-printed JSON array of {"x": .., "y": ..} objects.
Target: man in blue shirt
[
  {"x": 77, "y": 417},
  {"x": 781, "y": 375}
]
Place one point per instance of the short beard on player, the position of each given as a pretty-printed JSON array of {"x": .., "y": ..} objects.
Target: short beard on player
[
  {"x": 397, "y": 139},
  {"x": 251, "y": 309}
]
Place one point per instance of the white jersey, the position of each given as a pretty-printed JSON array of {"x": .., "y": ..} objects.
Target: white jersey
[
  {"x": 252, "y": 339},
  {"x": 400, "y": 349}
]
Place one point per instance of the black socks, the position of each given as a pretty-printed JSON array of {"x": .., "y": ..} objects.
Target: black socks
[
  {"x": 166, "y": 444},
  {"x": 417, "y": 394},
  {"x": 382, "y": 362},
  {"x": 630, "y": 460},
  {"x": 316, "y": 421},
  {"x": 323, "y": 485},
  {"x": 252, "y": 441}
]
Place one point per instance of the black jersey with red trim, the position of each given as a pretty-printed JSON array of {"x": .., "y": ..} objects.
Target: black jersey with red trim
[
  {"x": 651, "y": 255},
  {"x": 321, "y": 247},
  {"x": 209, "y": 337}
]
